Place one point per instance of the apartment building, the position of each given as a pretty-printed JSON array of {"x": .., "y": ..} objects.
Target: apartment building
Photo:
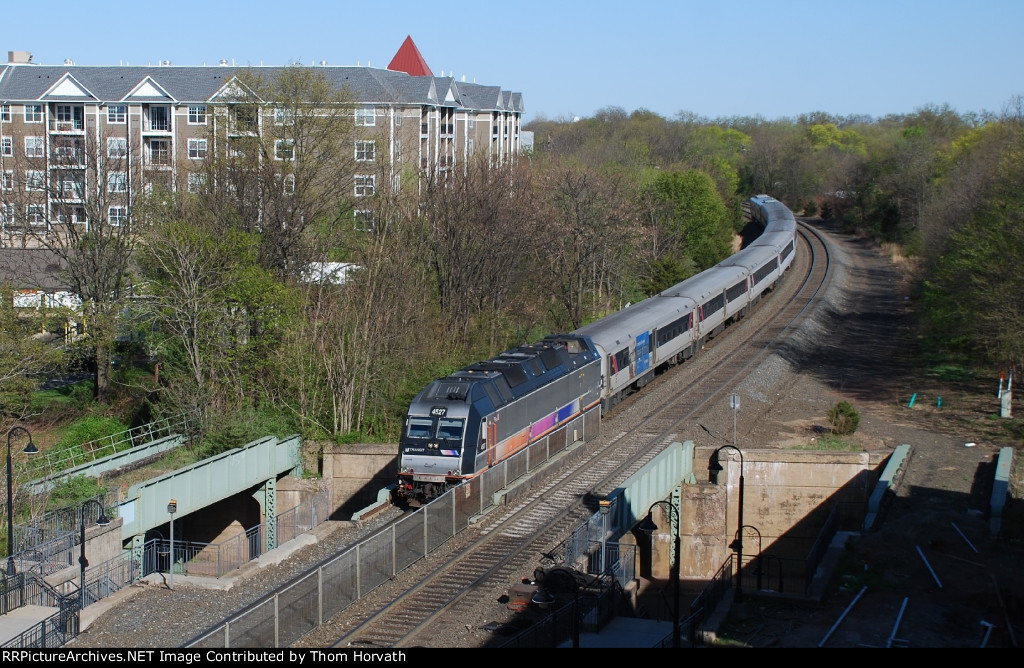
[{"x": 58, "y": 122}]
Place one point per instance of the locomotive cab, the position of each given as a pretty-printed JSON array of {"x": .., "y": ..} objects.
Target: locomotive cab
[{"x": 431, "y": 452}]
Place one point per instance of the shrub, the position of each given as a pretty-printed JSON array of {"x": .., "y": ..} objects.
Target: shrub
[
  {"x": 843, "y": 418},
  {"x": 73, "y": 492},
  {"x": 89, "y": 429}
]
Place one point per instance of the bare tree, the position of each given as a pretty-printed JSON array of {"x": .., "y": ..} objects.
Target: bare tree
[
  {"x": 478, "y": 224},
  {"x": 285, "y": 159},
  {"x": 78, "y": 203},
  {"x": 587, "y": 240}
]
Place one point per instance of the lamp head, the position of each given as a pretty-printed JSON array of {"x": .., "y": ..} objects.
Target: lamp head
[
  {"x": 648, "y": 526},
  {"x": 543, "y": 597},
  {"x": 714, "y": 468}
]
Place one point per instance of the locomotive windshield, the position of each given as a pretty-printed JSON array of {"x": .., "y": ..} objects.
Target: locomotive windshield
[
  {"x": 449, "y": 429},
  {"x": 420, "y": 427}
]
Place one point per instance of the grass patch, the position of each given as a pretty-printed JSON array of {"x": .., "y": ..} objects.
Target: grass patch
[
  {"x": 830, "y": 442},
  {"x": 952, "y": 373}
]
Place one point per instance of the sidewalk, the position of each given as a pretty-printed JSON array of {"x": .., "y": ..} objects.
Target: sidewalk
[{"x": 19, "y": 620}]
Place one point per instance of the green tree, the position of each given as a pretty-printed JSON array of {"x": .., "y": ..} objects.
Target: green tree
[
  {"x": 693, "y": 217},
  {"x": 975, "y": 295},
  {"x": 205, "y": 291}
]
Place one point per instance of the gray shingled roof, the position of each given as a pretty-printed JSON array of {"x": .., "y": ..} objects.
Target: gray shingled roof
[
  {"x": 30, "y": 269},
  {"x": 27, "y": 83}
]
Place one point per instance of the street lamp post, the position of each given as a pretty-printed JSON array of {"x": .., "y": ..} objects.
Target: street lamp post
[
  {"x": 713, "y": 470},
  {"x": 543, "y": 596},
  {"x": 172, "y": 508},
  {"x": 649, "y": 527},
  {"x": 82, "y": 561},
  {"x": 30, "y": 449}
]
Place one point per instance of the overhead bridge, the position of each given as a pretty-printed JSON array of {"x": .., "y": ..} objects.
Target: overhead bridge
[{"x": 254, "y": 468}]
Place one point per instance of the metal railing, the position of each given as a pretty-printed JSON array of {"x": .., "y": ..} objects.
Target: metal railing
[
  {"x": 43, "y": 545},
  {"x": 106, "y": 578},
  {"x": 55, "y": 630},
  {"x": 51, "y": 462},
  {"x": 593, "y": 611}
]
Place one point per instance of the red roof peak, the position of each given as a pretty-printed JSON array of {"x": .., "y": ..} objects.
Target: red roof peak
[{"x": 409, "y": 60}]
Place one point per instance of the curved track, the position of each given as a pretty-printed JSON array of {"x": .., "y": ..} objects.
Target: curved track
[{"x": 444, "y": 595}]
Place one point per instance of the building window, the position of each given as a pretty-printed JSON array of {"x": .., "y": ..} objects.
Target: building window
[
  {"x": 117, "y": 215},
  {"x": 469, "y": 146},
  {"x": 398, "y": 119},
  {"x": 365, "y": 151},
  {"x": 33, "y": 113},
  {"x": 398, "y": 150},
  {"x": 364, "y": 220},
  {"x": 284, "y": 116},
  {"x": 159, "y": 119},
  {"x": 117, "y": 113},
  {"x": 284, "y": 149},
  {"x": 68, "y": 151},
  {"x": 6, "y": 146},
  {"x": 71, "y": 189},
  {"x": 471, "y": 123},
  {"x": 77, "y": 215},
  {"x": 366, "y": 116},
  {"x": 117, "y": 147},
  {"x": 35, "y": 214},
  {"x": 364, "y": 186},
  {"x": 288, "y": 184},
  {"x": 245, "y": 118},
  {"x": 196, "y": 181},
  {"x": 160, "y": 152},
  {"x": 197, "y": 114},
  {"x": 117, "y": 182},
  {"x": 197, "y": 149},
  {"x": 69, "y": 117},
  {"x": 5, "y": 113},
  {"x": 35, "y": 179},
  {"x": 7, "y": 214},
  {"x": 35, "y": 147},
  {"x": 7, "y": 180}
]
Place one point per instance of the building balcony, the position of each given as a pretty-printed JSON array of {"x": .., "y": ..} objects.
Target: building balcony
[
  {"x": 75, "y": 159},
  {"x": 73, "y": 127}
]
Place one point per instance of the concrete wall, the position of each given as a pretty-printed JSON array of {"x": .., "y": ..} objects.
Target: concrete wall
[
  {"x": 787, "y": 495},
  {"x": 102, "y": 543},
  {"x": 355, "y": 473}
]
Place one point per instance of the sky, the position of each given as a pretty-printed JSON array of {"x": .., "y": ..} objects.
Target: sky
[{"x": 569, "y": 58}]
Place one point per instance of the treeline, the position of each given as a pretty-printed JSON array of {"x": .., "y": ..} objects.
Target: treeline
[{"x": 213, "y": 282}]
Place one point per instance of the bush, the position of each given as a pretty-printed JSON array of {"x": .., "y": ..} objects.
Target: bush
[
  {"x": 89, "y": 429},
  {"x": 74, "y": 491},
  {"x": 843, "y": 418}
]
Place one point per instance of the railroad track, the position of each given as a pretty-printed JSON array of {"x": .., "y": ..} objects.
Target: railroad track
[{"x": 448, "y": 598}]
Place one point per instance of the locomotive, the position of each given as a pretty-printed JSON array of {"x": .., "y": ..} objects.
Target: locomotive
[{"x": 460, "y": 425}]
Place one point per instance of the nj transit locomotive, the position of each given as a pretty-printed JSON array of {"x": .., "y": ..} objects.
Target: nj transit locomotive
[{"x": 460, "y": 425}]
